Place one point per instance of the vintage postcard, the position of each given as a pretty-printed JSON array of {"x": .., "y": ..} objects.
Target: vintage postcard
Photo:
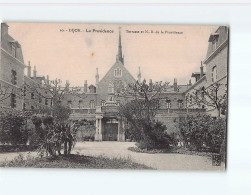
[{"x": 108, "y": 96}]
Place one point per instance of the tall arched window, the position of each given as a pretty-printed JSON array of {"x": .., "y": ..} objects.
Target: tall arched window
[
  {"x": 111, "y": 87},
  {"x": 214, "y": 74}
]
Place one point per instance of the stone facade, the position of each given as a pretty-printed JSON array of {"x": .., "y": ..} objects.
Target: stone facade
[
  {"x": 99, "y": 102},
  {"x": 216, "y": 64},
  {"x": 11, "y": 71}
]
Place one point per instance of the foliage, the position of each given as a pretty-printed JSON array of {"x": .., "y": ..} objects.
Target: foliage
[
  {"x": 12, "y": 129},
  {"x": 74, "y": 161},
  {"x": 202, "y": 131},
  {"x": 60, "y": 113},
  {"x": 86, "y": 132},
  {"x": 214, "y": 97},
  {"x": 140, "y": 114},
  {"x": 7, "y": 90},
  {"x": 154, "y": 136}
]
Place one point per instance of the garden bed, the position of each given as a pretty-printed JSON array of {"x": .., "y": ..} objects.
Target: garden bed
[
  {"x": 74, "y": 161},
  {"x": 177, "y": 150}
]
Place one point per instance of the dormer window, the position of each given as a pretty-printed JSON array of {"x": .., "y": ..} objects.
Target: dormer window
[
  {"x": 13, "y": 50},
  {"x": 118, "y": 72},
  {"x": 214, "y": 42},
  {"x": 214, "y": 39}
]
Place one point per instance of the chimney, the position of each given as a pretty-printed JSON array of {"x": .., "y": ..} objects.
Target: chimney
[
  {"x": 97, "y": 77},
  {"x": 190, "y": 82},
  {"x": 67, "y": 85},
  {"x": 201, "y": 70},
  {"x": 150, "y": 84},
  {"x": 34, "y": 72},
  {"x": 47, "y": 79},
  {"x": 4, "y": 31},
  {"x": 85, "y": 86},
  {"x": 175, "y": 85},
  {"x": 139, "y": 76},
  {"x": 29, "y": 69}
]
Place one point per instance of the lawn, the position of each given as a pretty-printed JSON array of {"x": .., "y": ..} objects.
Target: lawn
[{"x": 74, "y": 161}]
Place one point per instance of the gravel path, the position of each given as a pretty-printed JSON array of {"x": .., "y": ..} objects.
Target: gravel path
[
  {"x": 120, "y": 149},
  {"x": 157, "y": 161}
]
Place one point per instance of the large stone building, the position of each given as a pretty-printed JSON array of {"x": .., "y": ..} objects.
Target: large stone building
[
  {"x": 98, "y": 102},
  {"x": 11, "y": 71},
  {"x": 14, "y": 91},
  {"x": 216, "y": 64}
]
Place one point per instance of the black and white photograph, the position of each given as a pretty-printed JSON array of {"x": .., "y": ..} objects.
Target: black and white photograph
[{"x": 114, "y": 96}]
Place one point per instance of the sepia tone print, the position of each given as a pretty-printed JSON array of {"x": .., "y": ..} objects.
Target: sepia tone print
[{"x": 106, "y": 96}]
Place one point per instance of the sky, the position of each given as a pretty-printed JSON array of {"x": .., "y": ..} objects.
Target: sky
[{"x": 162, "y": 55}]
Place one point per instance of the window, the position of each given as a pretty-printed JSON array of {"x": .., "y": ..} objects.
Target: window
[
  {"x": 46, "y": 102},
  {"x": 214, "y": 74},
  {"x": 40, "y": 100},
  {"x": 13, "y": 77},
  {"x": 24, "y": 92},
  {"x": 168, "y": 104},
  {"x": 214, "y": 42},
  {"x": 32, "y": 107},
  {"x": 111, "y": 87},
  {"x": 103, "y": 103},
  {"x": 13, "y": 100},
  {"x": 110, "y": 98},
  {"x": 118, "y": 72},
  {"x": 69, "y": 103},
  {"x": 180, "y": 104},
  {"x": 80, "y": 103},
  {"x": 13, "y": 50},
  {"x": 191, "y": 99},
  {"x": 32, "y": 95},
  {"x": 24, "y": 106},
  {"x": 92, "y": 104}
]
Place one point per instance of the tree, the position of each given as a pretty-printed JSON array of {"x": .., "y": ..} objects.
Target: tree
[
  {"x": 12, "y": 128},
  {"x": 140, "y": 112},
  {"x": 203, "y": 130},
  {"x": 53, "y": 90},
  {"x": 7, "y": 90},
  {"x": 213, "y": 97},
  {"x": 59, "y": 131}
]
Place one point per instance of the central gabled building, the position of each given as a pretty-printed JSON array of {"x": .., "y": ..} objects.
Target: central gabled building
[{"x": 99, "y": 103}]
